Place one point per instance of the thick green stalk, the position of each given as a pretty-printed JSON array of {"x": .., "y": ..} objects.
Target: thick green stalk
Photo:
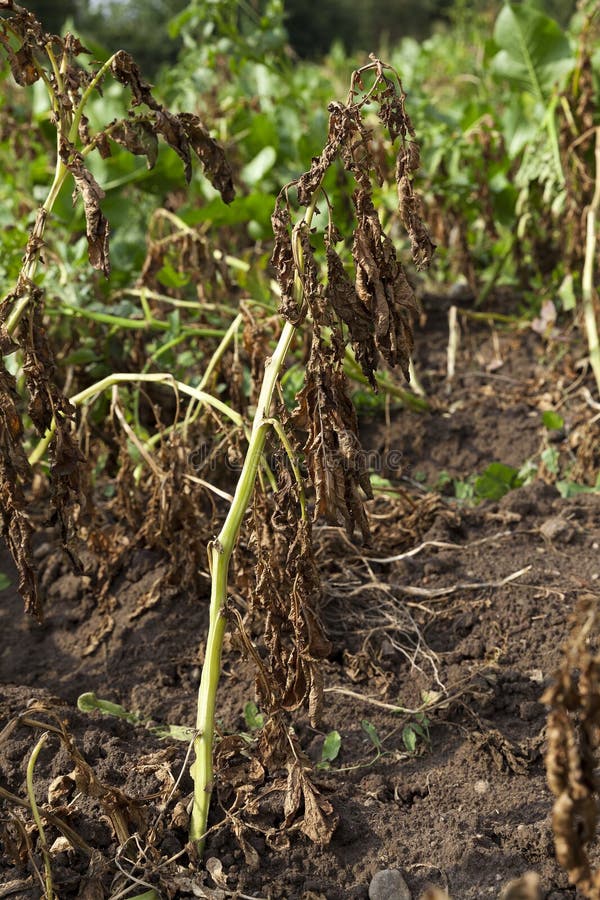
[{"x": 220, "y": 551}]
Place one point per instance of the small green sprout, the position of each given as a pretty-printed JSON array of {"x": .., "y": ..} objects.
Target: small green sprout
[
  {"x": 330, "y": 749},
  {"x": 253, "y": 718}
]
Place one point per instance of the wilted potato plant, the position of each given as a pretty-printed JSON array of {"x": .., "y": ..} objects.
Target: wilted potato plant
[
  {"x": 346, "y": 292},
  {"x": 370, "y": 308}
]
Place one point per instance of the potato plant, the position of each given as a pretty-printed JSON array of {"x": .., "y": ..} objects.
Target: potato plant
[{"x": 348, "y": 293}]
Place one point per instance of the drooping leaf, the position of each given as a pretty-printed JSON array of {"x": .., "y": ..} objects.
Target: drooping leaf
[
  {"x": 97, "y": 227},
  {"x": 382, "y": 285},
  {"x": 128, "y": 73},
  {"x": 137, "y": 136},
  {"x": 17, "y": 528},
  {"x": 319, "y": 820},
  {"x": 211, "y": 155}
]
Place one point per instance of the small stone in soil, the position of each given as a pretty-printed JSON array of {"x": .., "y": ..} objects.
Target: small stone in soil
[{"x": 388, "y": 884}]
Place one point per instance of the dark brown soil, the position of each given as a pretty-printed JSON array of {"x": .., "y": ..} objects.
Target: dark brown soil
[{"x": 476, "y": 617}]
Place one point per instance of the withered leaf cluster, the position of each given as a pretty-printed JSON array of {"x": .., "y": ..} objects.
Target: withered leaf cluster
[
  {"x": 271, "y": 791},
  {"x": 573, "y": 743},
  {"x": 289, "y": 661},
  {"x": 334, "y": 456},
  {"x": 369, "y": 305},
  {"x": 287, "y": 596},
  {"x": 184, "y": 132},
  {"x": 34, "y": 54},
  {"x": 138, "y": 132}
]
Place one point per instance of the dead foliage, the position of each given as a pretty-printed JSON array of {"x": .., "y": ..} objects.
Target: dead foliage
[
  {"x": 125, "y": 814},
  {"x": 370, "y": 307},
  {"x": 287, "y": 596},
  {"x": 34, "y": 54},
  {"x": 270, "y": 788},
  {"x": 167, "y": 511},
  {"x": 573, "y": 742},
  {"x": 577, "y": 115}
]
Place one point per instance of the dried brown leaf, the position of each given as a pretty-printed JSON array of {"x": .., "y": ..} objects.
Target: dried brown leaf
[
  {"x": 421, "y": 245},
  {"x": 136, "y": 135},
  {"x": 97, "y": 227},
  {"x": 382, "y": 285},
  {"x": 172, "y": 130},
  {"x": 344, "y": 300},
  {"x": 127, "y": 71},
  {"x": 334, "y": 457},
  {"x": 573, "y": 741},
  {"x": 211, "y": 155},
  {"x": 282, "y": 260},
  {"x": 319, "y": 820},
  {"x": 17, "y": 528}
]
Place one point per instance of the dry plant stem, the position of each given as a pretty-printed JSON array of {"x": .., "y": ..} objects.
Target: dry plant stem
[
  {"x": 36, "y": 814},
  {"x": 37, "y": 234},
  {"x": 219, "y": 553},
  {"x": 587, "y": 280},
  {"x": 60, "y": 174}
]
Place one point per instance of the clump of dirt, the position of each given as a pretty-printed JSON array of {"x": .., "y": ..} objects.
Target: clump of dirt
[{"x": 461, "y": 609}]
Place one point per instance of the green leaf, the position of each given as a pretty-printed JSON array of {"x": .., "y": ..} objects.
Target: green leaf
[
  {"x": 566, "y": 293},
  {"x": 497, "y": 480},
  {"x": 89, "y": 702},
  {"x": 552, "y": 420},
  {"x": 409, "y": 738},
  {"x": 170, "y": 277},
  {"x": 568, "y": 489},
  {"x": 253, "y": 718},
  {"x": 371, "y": 733},
  {"x": 4, "y": 581},
  {"x": 331, "y": 747},
  {"x": 550, "y": 458},
  {"x": 81, "y": 356},
  {"x": 257, "y": 168},
  {"x": 534, "y": 52},
  {"x": 174, "y": 732}
]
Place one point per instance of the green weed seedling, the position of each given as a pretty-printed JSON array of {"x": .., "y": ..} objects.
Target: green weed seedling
[
  {"x": 330, "y": 749},
  {"x": 88, "y": 702},
  {"x": 415, "y": 731}
]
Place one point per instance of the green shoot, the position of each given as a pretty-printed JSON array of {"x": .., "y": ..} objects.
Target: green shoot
[
  {"x": 330, "y": 749},
  {"x": 49, "y": 895}
]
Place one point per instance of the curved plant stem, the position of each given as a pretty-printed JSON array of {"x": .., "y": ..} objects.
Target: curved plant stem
[
  {"x": 587, "y": 279},
  {"x": 36, "y": 814},
  {"x": 124, "y": 377},
  {"x": 219, "y": 554}
]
